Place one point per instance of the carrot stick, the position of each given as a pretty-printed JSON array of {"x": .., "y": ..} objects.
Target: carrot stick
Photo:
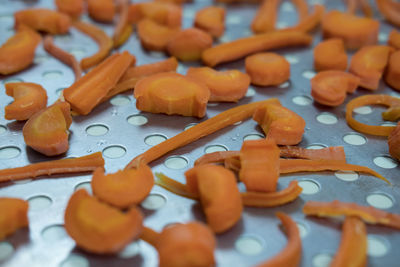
[
  {"x": 123, "y": 28},
  {"x": 174, "y": 186},
  {"x": 394, "y": 39},
  {"x": 154, "y": 36},
  {"x": 13, "y": 216},
  {"x": 266, "y": 16},
  {"x": 216, "y": 157},
  {"x": 150, "y": 236},
  {"x": 101, "y": 10},
  {"x": 212, "y": 20},
  {"x": 330, "y": 55},
  {"x": 394, "y": 142},
  {"x": 392, "y": 75},
  {"x": 73, "y": 8},
  {"x": 390, "y": 10}
]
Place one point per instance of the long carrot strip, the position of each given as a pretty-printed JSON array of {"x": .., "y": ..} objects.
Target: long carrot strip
[
  {"x": 390, "y": 10},
  {"x": 123, "y": 28},
  {"x": 174, "y": 186},
  {"x": 216, "y": 157},
  {"x": 150, "y": 236}
]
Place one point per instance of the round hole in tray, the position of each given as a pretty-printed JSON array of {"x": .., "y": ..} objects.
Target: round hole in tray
[
  {"x": 190, "y": 125},
  {"x": 308, "y": 74},
  {"x": 225, "y": 39},
  {"x": 137, "y": 120},
  {"x": 181, "y": 69},
  {"x": 250, "y": 92},
  {"x": 74, "y": 260},
  {"x": 302, "y": 100},
  {"x": 54, "y": 233},
  {"x": 292, "y": 59},
  {"x": 234, "y": 19},
  {"x": 212, "y": 104},
  {"x": 39, "y": 203},
  {"x": 130, "y": 251},
  {"x": 3, "y": 129},
  {"x": 253, "y": 137},
  {"x": 377, "y": 246},
  {"x": 354, "y": 139},
  {"x": 84, "y": 185},
  {"x": 13, "y": 80},
  {"x": 382, "y": 37},
  {"x": 303, "y": 229},
  {"x": 154, "y": 202},
  {"x": 286, "y": 6},
  {"x": 364, "y": 110},
  {"x": 380, "y": 201},
  {"x": 6, "y": 250},
  {"x": 154, "y": 139},
  {"x": 249, "y": 245},
  {"x": 59, "y": 91},
  {"x": 114, "y": 152},
  {"x": 310, "y": 187},
  {"x": 78, "y": 52},
  {"x": 284, "y": 85},
  {"x": 24, "y": 181},
  {"x": 39, "y": 59},
  {"x": 282, "y": 24},
  {"x": 97, "y": 130},
  {"x": 176, "y": 162},
  {"x": 9, "y": 152},
  {"x": 385, "y": 162},
  {"x": 189, "y": 14},
  {"x": 316, "y": 146},
  {"x": 215, "y": 148},
  {"x": 327, "y": 118},
  {"x": 322, "y": 260},
  {"x": 7, "y": 19},
  {"x": 388, "y": 123},
  {"x": 348, "y": 176},
  {"x": 52, "y": 75},
  {"x": 120, "y": 100}
]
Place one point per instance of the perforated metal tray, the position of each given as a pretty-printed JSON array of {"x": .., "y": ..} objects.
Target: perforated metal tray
[{"x": 119, "y": 130}]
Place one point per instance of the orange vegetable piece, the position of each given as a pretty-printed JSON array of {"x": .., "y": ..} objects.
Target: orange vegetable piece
[
  {"x": 18, "y": 51},
  {"x": 392, "y": 75},
  {"x": 354, "y": 5},
  {"x": 226, "y": 86},
  {"x": 154, "y": 36},
  {"x": 267, "y": 69},
  {"x": 171, "y": 93},
  {"x": 211, "y": 19},
  {"x": 330, "y": 87},
  {"x": 353, "y": 246},
  {"x": 47, "y": 130},
  {"x": 13, "y": 215},
  {"x": 123, "y": 188},
  {"x": 291, "y": 254},
  {"x": 266, "y": 16},
  {"x": 309, "y": 22},
  {"x": 355, "y": 31},
  {"x": 394, "y": 142},
  {"x": 29, "y": 98},
  {"x": 394, "y": 39},
  {"x": 189, "y": 44},
  {"x": 99, "y": 228},
  {"x": 73, "y": 8},
  {"x": 88, "y": 91},
  {"x": 101, "y": 10},
  {"x": 70, "y": 165},
  {"x": 249, "y": 45},
  {"x": 123, "y": 29},
  {"x": 41, "y": 19},
  {"x": 330, "y": 55},
  {"x": 161, "y": 12},
  {"x": 390, "y": 10}
]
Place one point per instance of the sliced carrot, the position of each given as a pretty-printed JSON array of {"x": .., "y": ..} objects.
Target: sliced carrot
[
  {"x": 310, "y": 22},
  {"x": 41, "y": 19},
  {"x": 123, "y": 29},
  {"x": 13, "y": 215},
  {"x": 249, "y": 45},
  {"x": 70, "y": 165},
  {"x": 330, "y": 55},
  {"x": 99, "y": 228},
  {"x": 88, "y": 91},
  {"x": 164, "y": 13},
  {"x": 171, "y": 93},
  {"x": 18, "y": 51},
  {"x": 225, "y": 86},
  {"x": 211, "y": 19},
  {"x": 337, "y": 208},
  {"x": 73, "y": 8},
  {"x": 154, "y": 36},
  {"x": 266, "y": 16},
  {"x": 394, "y": 39},
  {"x": 104, "y": 42},
  {"x": 267, "y": 69},
  {"x": 392, "y": 75},
  {"x": 390, "y": 10},
  {"x": 189, "y": 44},
  {"x": 353, "y": 246},
  {"x": 355, "y": 31},
  {"x": 101, "y": 10},
  {"x": 29, "y": 98},
  {"x": 394, "y": 142},
  {"x": 368, "y": 63},
  {"x": 47, "y": 130}
]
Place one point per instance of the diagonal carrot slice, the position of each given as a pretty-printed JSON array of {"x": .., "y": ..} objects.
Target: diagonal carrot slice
[
  {"x": 161, "y": 12},
  {"x": 394, "y": 39},
  {"x": 330, "y": 55},
  {"x": 13, "y": 215},
  {"x": 392, "y": 75},
  {"x": 101, "y": 10},
  {"x": 211, "y": 19},
  {"x": 154, "y": 36}
]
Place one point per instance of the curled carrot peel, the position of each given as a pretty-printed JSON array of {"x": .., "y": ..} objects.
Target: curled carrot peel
[
  {"x": 163, "y": 13},
  {"x": 266, "y": 16},
  {"x": 101, "y": 10},
  {"x": 71, "y": 165},
  {"x": 123, "y": 29},
  {"x": 390, "y": 10},
  {"x": 291, "y": 254},
  {"x": 174, "y": 186},
  {"x": 29, "y": 98},
  {"x": 392, "y": 75},
  {"x": 394, "y": 39},
  {"x": 394, "y": 142},
  {"x": 337, "y": 208},
  {"x": 330, "y": 55},
  {"x": 198, "y": 131},
  {"x": 353, "y": 245},
  {"x": 310, "y": 22},
  {"x": 154, "y": 36},
  {"x": 73, "y": 8},
  {"x": 42, "y": 19},
  {"x": 100, "y": 37},
  {"x": 63, "y": 56},
  {"x": 211, "y": 19},
  {"x": 13, "y": 216},
  {"x": 245, "y": 46}
]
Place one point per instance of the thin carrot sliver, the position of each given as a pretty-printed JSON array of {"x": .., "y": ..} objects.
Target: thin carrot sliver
[
  {"x": 174, "y": 186},
  {"x": 123, "y": 28},
  {"x": 149, "y": 235},
  {"x": 310, "y": 22}
]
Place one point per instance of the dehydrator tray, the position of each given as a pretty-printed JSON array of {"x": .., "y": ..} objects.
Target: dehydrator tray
[{"x": 121, "y": 132}]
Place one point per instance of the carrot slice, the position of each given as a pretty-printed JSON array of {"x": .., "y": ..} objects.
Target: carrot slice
[
  {"x": 249, "y": 45},
  {"x": 392, "y": 75},
  {"x": 123, "y": 29},
  {"x": 337, "y": 208},
  {"x": 101, "y": 10},
  {"x": 211, "y": 19},
  {"x": 267, "y": 69},
  {"x": 163, "y": 13},
  {"x": 154, "y": 36},
  {"x": 99, "y": 228},
  {"x": 171, "y": 93},
  {"x": 266, "y": 16},
  {"x": 355, "y": 31},
  {"x": 390, "y": 10},
  {"x": 73, "y": 8},
  {"x": 225, "y": 86},
  {"x": 368, "y": 63},
  {"x": 18, "y": 51},
  {"x": 189, "y": 44},
  {"x": 100, "y": 37},
  {"x": 394, "y": 142},
  {"x": 394, "y": 39},
  {"x": 29, "y": 98},
  {"x": 330, "y": 55},
  {"x": 13, "y": 216},
  {"x": 47, "y": 130},
  {"x": 310, "y": 22},
  {"x": 62, "y": 55},
  {"x": 41, "y": 19},
  {"x": 87, "y": 92}
]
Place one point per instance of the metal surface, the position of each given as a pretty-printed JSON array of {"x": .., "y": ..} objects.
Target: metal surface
[{"x": 46, "y": 244}]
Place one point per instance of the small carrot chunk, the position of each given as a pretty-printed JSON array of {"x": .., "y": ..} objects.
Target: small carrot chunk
[
  {"x": 73, "y": 8},
  {"x": 392, "y": 75},
  {"x": 29, "y": 98},
  {"x": 266, "y": 16},
  {"x": 211, "y": 19},
  {"x": 330, "y": 55},
  {"x": 267, "y": 69},
  {"x": 154, "y": 36},
  {"x": 163, "y": 13},
  {"x": 226, "y": 86},
  {"x": 394, "y": 39},
  {"x": 101, "y": 10},
  {"x": 390, "y": 10},
  {"x": 394, "y": 142},
  {"x": 41, "y": 19},
  {"x": 47, "y": 130},
  {"x": 13, "y": 215},
  {"x": 171, "y": 93}
]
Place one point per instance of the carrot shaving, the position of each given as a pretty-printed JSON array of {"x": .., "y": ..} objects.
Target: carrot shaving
[
  {"x": 123, "y": 28},
  {"x": 390, "y": 10},
  {"x": 13, "y": 216},
  {"x": 174, "y": 186},
  {"x": 150, "y": 236}
]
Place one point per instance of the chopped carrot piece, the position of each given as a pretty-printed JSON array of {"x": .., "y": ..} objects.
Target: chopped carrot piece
[
  {"x": 266, "y": 16},
  {"x": 154, "y": 36},
  {"x": 150, "y": 236},
  {"x": 123, "y": 29},
  {"x": 353, "y": 246},
  {"x": 280, "y": 124},
  {"x": 87, "y": 92},
  {"x": 18, "y": 51},
  {"x": 62, "y": 55},
  {"x": 390, "y": 10},
  {"x": 73, "y": 8},
  {"x": 310, "y": 22},
  {"x": 337, "y": 208},
  {"x": 394, "y": 142},
  {"x": 392, "y": 75},
  {"x": 171, "y": 93},
  {"x": 29, "y": 98},
  {"x": 101, "y": 10},
  {"x": 226, "y": 86},
  {"x": 249, "y": 45},
  {"x": 189, "y": 44},
  {"x": 47, "y": 130},
  {"x": 41, "y": 19},
  {"x": 355, "y": 31},
  {"x": 73, "y": 165},
  {"x": 13, "y": 215},
  {"x": 330, "y": 55},
  {"x": 100, "y": 37},
  {"x": 211, "y": 19},
  {"x": 163, "y": 13},
  {"x": 291, "y": 254},
  {"x": 267, "y": 69},
  {"x": 394, "y": 39},
  {"x": 368, "y": 63},
  {"x": 99, "y": 228},
  {"x": 123, "y": 188}
]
